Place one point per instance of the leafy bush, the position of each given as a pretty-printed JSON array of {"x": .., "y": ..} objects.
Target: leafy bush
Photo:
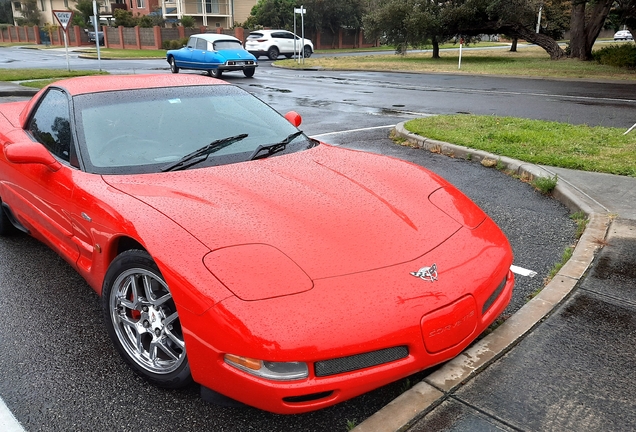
[
  {"x": 174, "y": 44},
  {"x": 623, "y": 56},
  {"x": 187, "y": 21}
]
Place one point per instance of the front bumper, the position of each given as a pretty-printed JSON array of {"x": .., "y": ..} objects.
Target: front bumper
[
  {"x": 237, "y": 65},
  {"x": 358, "y": 319}
]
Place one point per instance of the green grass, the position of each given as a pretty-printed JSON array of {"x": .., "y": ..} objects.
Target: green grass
[
  {"x": 581, "y": 220},
  {"x": 10, "y": 44},
  {"x": 599, "y": 149},
  {"x": 527, "y": 61},
  {"x": 391, "y": 48},
  {"x": 545, "y": 185},
  {"x": 39, "y": 74},
  {"x": 565, "y": 257}
]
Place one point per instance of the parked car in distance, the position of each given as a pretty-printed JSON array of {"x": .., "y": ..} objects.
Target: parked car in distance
[
  {"x": 214, "y": 53},
  {"x": 100, "y": 35},
  {"x": 232, "y": 250},
  {"x": 623, "y": 35},
  {"x": 273, "y": 43}
]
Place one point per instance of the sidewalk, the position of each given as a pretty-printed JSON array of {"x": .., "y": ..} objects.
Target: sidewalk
[
  {"x": 11, "y": 89},
  {"x": 566, "y": 360}
]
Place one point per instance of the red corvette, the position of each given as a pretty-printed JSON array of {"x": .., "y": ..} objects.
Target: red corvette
[{"x": 232, "y": 250}]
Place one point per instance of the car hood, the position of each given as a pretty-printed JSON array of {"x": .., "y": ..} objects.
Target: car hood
[{"x": 332, "y": 211}]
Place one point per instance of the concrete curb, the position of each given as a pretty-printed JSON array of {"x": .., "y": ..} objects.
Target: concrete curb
[{"x": 422, "y": 398}]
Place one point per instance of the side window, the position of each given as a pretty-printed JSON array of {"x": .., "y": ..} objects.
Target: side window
[
  {"x": 202, "y": 44},
  {"x": 278, "y": 35},
  {"x": 51, "y": 124},
  {"x": 192, "y": 42},
  {"x": 288, "y": 36}
]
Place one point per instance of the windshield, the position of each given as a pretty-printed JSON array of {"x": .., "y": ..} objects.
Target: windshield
[{"x": 141, "y": 131}]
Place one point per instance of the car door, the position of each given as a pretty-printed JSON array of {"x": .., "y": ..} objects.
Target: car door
[
  {"x": 203, "y": 55},
  {"x": 183, "y": 57},
  {"x": 289, "y": 42},
  {"x": 39, "y": 197},
  {"x": 282, "y": 42}
]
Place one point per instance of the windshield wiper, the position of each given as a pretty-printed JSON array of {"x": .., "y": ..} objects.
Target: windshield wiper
[
  {"x": 202, "y": 154},
  {"x": 263, "y": 151}
]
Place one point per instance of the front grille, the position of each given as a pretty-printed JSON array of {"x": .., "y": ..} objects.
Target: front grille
[
  {"x": 494, "y": 296},
  {"x": 359, "y": 361}
]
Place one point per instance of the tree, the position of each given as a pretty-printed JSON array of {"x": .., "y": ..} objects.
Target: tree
[
  {"x": 515, "y": 18},
  {"x": 624, "y": 14},
  {"x": 30, "y": 13},
  {"x": 273, "y": 13},
  {"x": 187, "y": 21},
  {"x": 6, "y": 13},
  {"x": 586, "y": 23},
  {"x": 124, "y": 18},
  {"x": 404, "y": 23},
  {"x": 332, "y": 15},
  {"x": 84, "y": 13},
  {"x": 328, "y": 15}
]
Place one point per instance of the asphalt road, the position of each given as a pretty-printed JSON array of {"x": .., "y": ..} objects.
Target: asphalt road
[{"x": 59, "y": 371}]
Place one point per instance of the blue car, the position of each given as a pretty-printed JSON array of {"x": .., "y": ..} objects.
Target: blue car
[{"x": 214, "y": 53}]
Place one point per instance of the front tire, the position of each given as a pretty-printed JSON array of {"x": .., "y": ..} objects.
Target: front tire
[
  {"x": 307, "y": 51},
  {"x": 215, "y": 73},
  {"x": 142, "y": 320},
  {"x": 273, "y": 53},
  {"x": 173, "y": 66},
  {"x": 249, "y": 72}
]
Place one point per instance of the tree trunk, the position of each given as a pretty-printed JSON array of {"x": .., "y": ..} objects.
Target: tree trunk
[
  {"x": 583, "y": 33},
  {"x": 546, "y": 42},
  {"x": 435, "y": 47},
  {"x": 513, "y": 45}
]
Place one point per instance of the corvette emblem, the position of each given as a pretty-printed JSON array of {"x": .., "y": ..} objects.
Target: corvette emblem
[{"x": 427, "y": 273}]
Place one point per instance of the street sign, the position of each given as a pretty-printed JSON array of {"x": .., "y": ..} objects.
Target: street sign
[
  {"x": 63, "y": 17},
  {"x": 300, "y": 10}
]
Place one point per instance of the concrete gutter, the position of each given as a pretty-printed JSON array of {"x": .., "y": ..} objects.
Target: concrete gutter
[{"x": 425, "y": 396}]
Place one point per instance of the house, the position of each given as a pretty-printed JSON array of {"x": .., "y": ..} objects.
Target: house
[{"x": 207, "y": 13}]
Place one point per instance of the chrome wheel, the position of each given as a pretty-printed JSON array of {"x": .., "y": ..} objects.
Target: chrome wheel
[
  {"x": 142, "y": 320},
  {"x": 146, "y": 321}
]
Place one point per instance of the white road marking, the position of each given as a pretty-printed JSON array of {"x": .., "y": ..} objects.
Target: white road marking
[
  {"x": 523, "y": 272},
  {"x": 8, "y": 423},
  {"x": 353, "y": 130}
]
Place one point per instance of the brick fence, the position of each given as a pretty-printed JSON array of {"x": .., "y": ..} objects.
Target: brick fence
[{"x": 153, "y": 38}]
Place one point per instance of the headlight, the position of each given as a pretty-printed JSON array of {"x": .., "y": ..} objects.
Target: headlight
[
  {"x": 257, "y": 272},
  {"x": 279, "y": 371}
]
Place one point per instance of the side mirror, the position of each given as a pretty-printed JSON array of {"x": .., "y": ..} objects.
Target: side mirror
[
  {"x": 27, "y": 152},
  {"x": 294, "y": 118}
]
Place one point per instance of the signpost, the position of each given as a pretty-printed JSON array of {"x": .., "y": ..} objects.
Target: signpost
[
  {"x": 64, "y": 18},
  {"x": 301, "y": 52},
  {"x": 96, "y": 28}
]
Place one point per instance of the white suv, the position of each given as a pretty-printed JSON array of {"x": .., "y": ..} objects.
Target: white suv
[{"x": 273, "y": 43}]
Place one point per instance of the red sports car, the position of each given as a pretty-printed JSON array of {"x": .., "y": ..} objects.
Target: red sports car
[{"x": 232, "y": 250}]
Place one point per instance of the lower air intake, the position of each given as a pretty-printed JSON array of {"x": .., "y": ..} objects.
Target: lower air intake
[{"x": 359, "y": 361}]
